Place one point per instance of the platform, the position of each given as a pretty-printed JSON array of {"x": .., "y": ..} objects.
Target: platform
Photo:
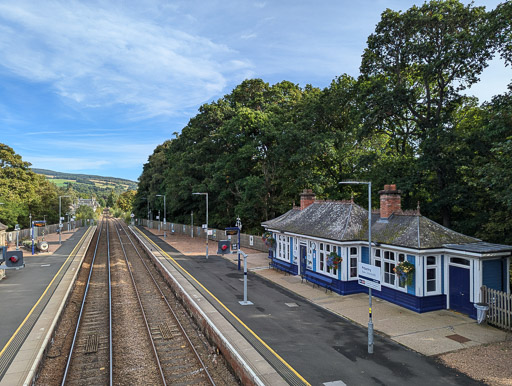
[
  {"x": 31, "y": 299},
  {"x": 297, "y": 337}
]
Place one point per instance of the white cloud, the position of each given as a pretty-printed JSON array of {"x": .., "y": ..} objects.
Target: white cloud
[{"x": 97, "y": 56}]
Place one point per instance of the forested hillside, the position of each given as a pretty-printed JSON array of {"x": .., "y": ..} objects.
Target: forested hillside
[
  {"x": 88, "y": 186},
  {"x": 404, "y": 120}
]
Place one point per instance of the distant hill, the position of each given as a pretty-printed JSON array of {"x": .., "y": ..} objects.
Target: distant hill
[{"x": 88, "y": 184}]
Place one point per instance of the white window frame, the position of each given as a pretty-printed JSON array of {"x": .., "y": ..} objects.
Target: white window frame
[
  {"x": 283, "y": 247},
  {"x": 381, "y": 258},
  {"x": 353, "y": 260},
  {"x": 324, "y": 249},
  {"x": 437, "y": 267}
]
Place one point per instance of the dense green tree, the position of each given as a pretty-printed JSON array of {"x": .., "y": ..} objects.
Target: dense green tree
[
  {"x": 25, "y": 193},
  {"x": 125, "y": 200},
  {"x": 405, "y": 120},
  {"x": 414, "y": 69},
  {"x": 85, "y": 212}
]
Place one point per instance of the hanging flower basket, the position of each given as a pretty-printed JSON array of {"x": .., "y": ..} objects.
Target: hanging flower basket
[
  {"x": 267, "y": 235},
  {"x": 333, "y": 260},
  {"x": 405, "y": 272},
  {"x": 268, "y": 240}
]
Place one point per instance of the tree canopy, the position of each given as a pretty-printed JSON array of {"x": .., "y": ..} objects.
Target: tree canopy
[
  {"x": 24, "y": 193},
  {"x": 404, "y": 120}
]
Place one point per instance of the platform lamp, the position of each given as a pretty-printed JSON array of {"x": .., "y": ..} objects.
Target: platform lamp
[
  {"x": 205, "y": 194},
  {"x": 163, "y": 195},
  {"x": 60, "y": 218},
  {"x": 370, "y": 321}
]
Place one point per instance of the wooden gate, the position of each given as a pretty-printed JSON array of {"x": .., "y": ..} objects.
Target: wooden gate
[{"x": 500, "y": 307}]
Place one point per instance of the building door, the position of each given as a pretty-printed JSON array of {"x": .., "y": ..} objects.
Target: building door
[
  {"x": 303, "y": 259},
  {"x": 459, "y": 290}
]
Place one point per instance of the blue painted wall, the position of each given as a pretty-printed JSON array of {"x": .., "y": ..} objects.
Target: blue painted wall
[
  {"x": 291, "y": 250},
  {"x": 365, "y": 257},
  {"x": 411, "y": 289},
  {"x": 492, "y": 275}
]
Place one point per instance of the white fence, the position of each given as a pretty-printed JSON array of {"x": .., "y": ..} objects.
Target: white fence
[{"x": 500, "y": 307}]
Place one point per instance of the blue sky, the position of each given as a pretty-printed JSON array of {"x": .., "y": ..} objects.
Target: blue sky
[{"x": 94, "y": 86}]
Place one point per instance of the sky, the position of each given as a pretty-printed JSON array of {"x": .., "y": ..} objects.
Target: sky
[{"x": 92, "y": 87}]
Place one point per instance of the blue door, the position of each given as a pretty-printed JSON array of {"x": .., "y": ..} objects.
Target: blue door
[
  {"x": 303, "y": 259},
  {"x": 459, "y": 290}
]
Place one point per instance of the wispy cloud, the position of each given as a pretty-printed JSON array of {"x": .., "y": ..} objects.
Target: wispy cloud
[{"x": 97, "y": 56}]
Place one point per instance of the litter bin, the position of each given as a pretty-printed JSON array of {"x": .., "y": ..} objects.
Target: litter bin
[{"x": 481, "y": 312}]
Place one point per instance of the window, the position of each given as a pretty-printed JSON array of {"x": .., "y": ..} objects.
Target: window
[
  {"x": 377, "y": 261},
  {"x": 353, "y": 259},
  {"x": 334, "y": 270},
  {"x": 324, "y": 250},
  {"x": 460, "y": 261},
  {"x": 389, "y": 267},
  {"x": 432, "y": 271},
  {"x": 387, "y": 261},
  {"x": 283, "y": 247}
]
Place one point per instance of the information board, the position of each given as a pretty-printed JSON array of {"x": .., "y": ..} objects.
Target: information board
[{"x": 369, "y": 276}]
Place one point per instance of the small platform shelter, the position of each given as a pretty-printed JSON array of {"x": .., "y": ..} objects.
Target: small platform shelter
[{"x": 444, "y": 269}]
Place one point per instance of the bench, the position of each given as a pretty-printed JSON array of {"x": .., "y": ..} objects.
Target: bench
[
  {"x": 281, "y": 265},
  {"x": 318, "y": 279}
]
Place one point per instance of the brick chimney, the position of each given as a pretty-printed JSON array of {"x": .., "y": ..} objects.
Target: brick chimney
[
  {"x": 307, "y": 197},
  {"x": 390, "y": 201}
]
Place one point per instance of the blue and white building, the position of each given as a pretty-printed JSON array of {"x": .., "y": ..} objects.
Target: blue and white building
[{"x": 449, "y": 267}]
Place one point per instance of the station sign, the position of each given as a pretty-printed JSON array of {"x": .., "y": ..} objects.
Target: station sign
[
  {"x": 369, "y": 276},
  {"x": 39, "y": 223}
]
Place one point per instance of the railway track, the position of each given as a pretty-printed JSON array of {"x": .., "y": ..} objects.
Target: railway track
[
  {"x": 129, "y": 328},
  {"x": 175, "y": 355},
  {"x": 90, "y": 358}
]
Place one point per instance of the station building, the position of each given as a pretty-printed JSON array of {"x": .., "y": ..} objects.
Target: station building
[{"x": 448, "y": 271}]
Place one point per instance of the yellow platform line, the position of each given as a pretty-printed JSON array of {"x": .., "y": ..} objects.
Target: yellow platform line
[
  {"x": 229, "y": 311},
  {"x": 44, "y": 293}
]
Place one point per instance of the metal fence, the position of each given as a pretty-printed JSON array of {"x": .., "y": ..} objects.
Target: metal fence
[
  {"x": 247, "y": 241},
  {"x": 51, "y": 228},
  {"x": 500, "y": 307}
]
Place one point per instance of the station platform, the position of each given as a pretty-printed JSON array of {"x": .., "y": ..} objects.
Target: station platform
[
  {"x": 32, "y": 298},
  {"x": 302, "y": 341},
  {"x": 292, "y": 333}
]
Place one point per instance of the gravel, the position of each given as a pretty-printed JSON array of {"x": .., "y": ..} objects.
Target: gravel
[{"x": 490, "y": 363}]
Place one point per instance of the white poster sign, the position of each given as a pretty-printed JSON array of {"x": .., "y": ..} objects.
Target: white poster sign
[{"x": 369, "y": 276}]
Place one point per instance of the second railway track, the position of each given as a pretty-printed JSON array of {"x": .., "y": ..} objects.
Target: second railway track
[{"x": 152, "y": 340}]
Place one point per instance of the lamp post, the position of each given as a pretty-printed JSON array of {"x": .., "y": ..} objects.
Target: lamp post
[
  {"x": 370, "y": 321},
  {"x": 205, "y": 194},
  {"x": 163, "y": 195},
  {"x": 60, "y": 218}
]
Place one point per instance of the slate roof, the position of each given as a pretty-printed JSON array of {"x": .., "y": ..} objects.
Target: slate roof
[
  {"x": 335, "y": 220},
  {"x": 3, "y": 227},
  {"x": 480, "y": 247},
  {"x": 347, "y": 221}
]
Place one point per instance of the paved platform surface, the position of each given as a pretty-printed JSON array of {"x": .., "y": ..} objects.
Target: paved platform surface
[
  {"x": 307, "y": 328},
  {"x": 32, "y": 297}
]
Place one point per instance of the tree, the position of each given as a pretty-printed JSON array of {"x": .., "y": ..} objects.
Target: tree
[
  {"x": 125, "y": 200},
  {"x": 24, "y": 192},
  {"x": 413, "y": 70},
  {"x": 85, "y": 212}
]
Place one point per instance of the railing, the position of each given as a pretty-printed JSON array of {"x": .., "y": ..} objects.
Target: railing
[
  {"x": 217, "y": 234},
  {"x": 50, "y": 228},
  {"x": 500, "y": 307}
]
